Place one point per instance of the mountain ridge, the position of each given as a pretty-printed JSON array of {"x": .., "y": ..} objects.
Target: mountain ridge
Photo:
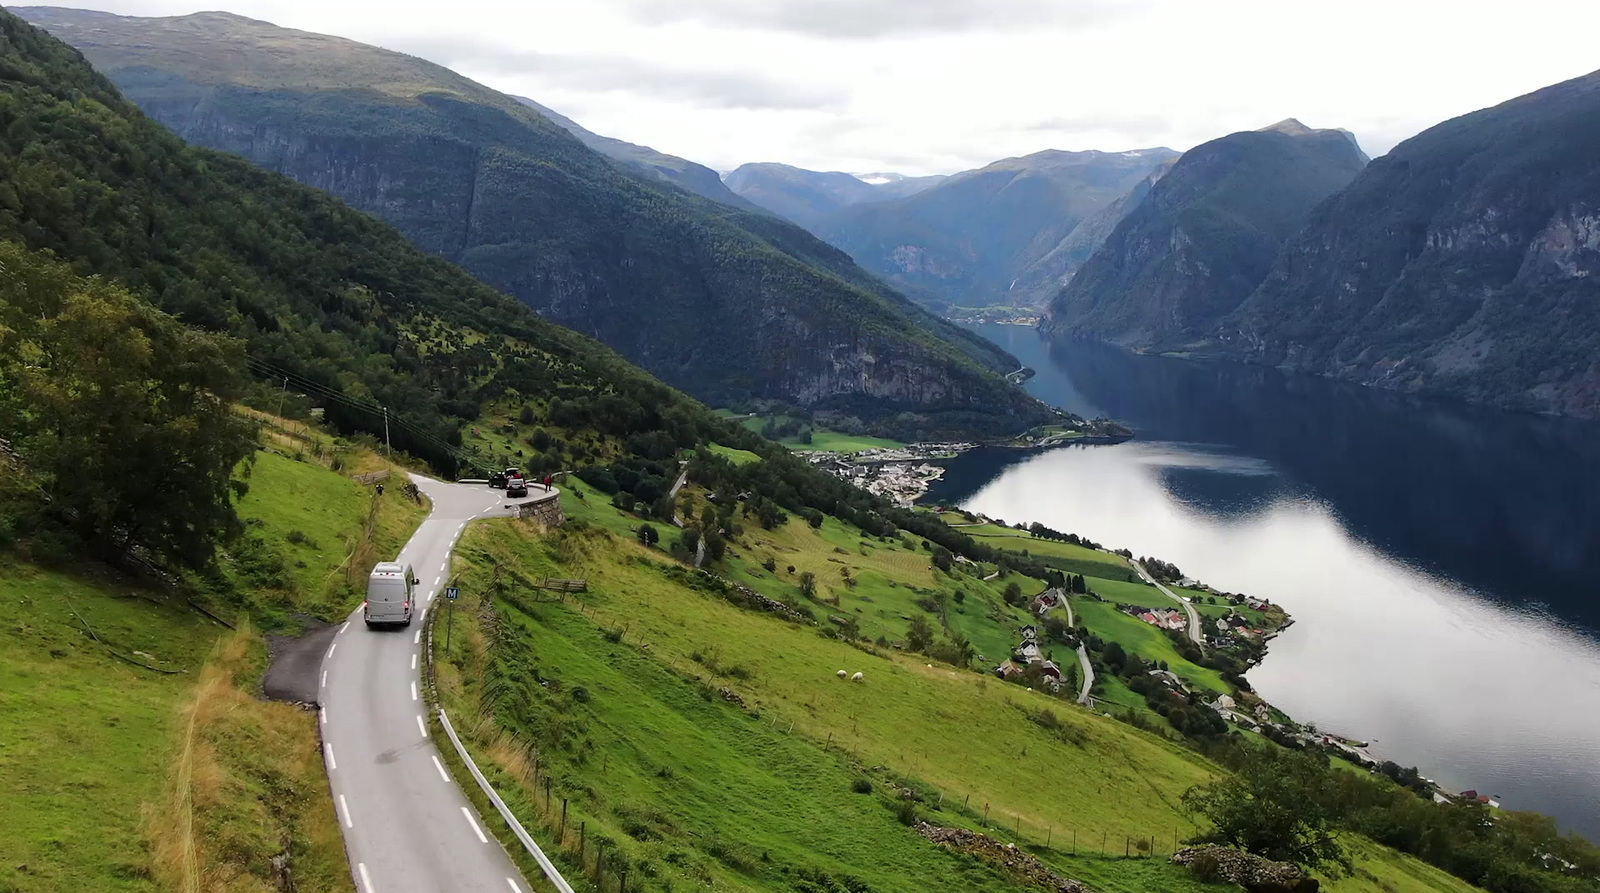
[
  {"x": 1466, "y": 261},
  {"x": 967, "y": 240},
  {"x": 1204, "y": 237},
  {"x": 728, "y": 305}
]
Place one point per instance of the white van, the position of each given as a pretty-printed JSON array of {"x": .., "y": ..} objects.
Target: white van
[{"x": 391, "y": 591}]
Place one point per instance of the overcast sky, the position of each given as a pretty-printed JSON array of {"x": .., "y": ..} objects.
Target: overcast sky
[{"x": 936, "y": 86}]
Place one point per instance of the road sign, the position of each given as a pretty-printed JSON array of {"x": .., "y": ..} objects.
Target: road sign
[{"x": 452, "y": 593}]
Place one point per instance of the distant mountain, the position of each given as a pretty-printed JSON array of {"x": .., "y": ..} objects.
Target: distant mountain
[
  {"x": 1205, "y": 236},
  {"x": 967, "y": 240},
  {"x": 809, "y": 197},
  {"x": 696, "y": 178},
  {"x": 890, "y": 185},
  {"x": 1465, "y": 261},
  {"x": 727, "y": 305},
  {"x": 1050, "y": 273}
]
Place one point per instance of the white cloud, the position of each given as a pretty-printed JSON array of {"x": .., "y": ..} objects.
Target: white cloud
[{"x": 933, "y": 86}]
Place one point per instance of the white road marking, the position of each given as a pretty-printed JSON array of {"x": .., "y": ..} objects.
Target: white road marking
[
  {"x": 413, "y": 690},
  {"x": 330, "y": 649},
  {"x": 514, "y": 886},
  {"x": 474, "y": 823},
  {"x": 443, "y": 775},
  {"x": 333, "y": 764},
  {"x": 436, "y": 581},
  {"x": 324, "y": 678},
  {"x": 417, "y": 639},
  {"x": 421, "y": 726},
  {"x": 322, "y": 715},
  {"x": 345, "y": 809},
  {"x": 366, "y": 882},
  {"x": 413, "y": 660}
]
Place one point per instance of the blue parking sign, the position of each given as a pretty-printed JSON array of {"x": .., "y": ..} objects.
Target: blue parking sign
[{"x": 452, "y": 593}]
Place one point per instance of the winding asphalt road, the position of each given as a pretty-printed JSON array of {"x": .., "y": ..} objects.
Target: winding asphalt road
[
  {"x": 1195, "y": 634},
  {"x": 407, "y": 826}
]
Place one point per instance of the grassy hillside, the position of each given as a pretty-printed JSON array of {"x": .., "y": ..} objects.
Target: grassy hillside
[
  {"x": 711, "y": 744},
  {"x": 724, "y": 303},
  {"x": 140, "y": 753}
]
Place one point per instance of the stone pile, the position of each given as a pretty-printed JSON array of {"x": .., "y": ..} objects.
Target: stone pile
[
  {"x": 1254, "y": 873},
  {"x": 1004, "y": 856}
]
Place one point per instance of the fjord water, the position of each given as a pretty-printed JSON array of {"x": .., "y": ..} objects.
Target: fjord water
[{"x": 1441, "y": 561}]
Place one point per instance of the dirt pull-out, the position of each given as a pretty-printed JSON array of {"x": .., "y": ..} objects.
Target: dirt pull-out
[{"x": 296, "y": 671}]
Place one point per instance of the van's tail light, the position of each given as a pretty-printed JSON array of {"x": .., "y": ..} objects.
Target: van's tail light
[{"x": 406, "y": 606}]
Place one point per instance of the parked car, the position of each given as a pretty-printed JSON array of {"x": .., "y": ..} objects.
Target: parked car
[
  {"x": 497, "y": 480},
  {"x": 516, "y": 486}
]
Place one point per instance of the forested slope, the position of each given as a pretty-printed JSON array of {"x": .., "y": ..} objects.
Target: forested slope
[{"x": 725, "y": 304}]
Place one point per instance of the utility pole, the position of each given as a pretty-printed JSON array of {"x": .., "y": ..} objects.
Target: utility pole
[
  {"x": 282, "y": 394},
  {"x": 386, "y": 432}
]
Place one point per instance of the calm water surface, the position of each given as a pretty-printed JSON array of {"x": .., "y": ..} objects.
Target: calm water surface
[{"x": 1442, "y": 562}]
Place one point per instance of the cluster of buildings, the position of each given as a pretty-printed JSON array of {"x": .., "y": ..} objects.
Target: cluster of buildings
[
  {"x": 1028, "y": 654},
  {"x": 899, "y": 474},
  {"x": 1162, "y": 618}
]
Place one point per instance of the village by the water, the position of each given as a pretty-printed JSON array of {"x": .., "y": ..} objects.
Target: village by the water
[{"x": 904, "y": 475}]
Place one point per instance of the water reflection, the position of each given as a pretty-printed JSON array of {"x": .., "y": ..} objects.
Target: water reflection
[{"x": 1440, "y": 559}]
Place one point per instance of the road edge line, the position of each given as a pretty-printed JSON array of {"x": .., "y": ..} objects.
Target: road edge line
[{"x": 548, "y": 867}]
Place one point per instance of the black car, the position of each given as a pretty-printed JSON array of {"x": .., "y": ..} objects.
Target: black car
[{"x": 497, "y": 480}]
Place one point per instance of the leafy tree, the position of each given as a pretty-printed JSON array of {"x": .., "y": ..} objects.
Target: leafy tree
[
  {"x": 942, "y": 559},
  {"x": 648, "y": 535},
  {"x": 1276, "y": 804},
  {"x": 716, "y": 546},
  {"x": 808, "y": 584},
  {"x": 1013, "y": 594},
  {"x": 121, "y": 414},
  {"x": 919, "y": 636}
]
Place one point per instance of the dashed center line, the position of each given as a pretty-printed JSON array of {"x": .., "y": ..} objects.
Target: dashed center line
[
  {"x": 344, "y": 808},
  {"x": 324, "y": 678},
  {"x": 413, "y": 660},
  {"x": 417, "y": 639},
  {"x": 421, "y": 726},
  {"x": 413, "y": 690},
  {"x": 366, "y": 882},
  {"x": 331, "y": 648},
  {"x": 443, "y": 775},
  {"x": 466, "y": 813},
  {"x": 333, "y": 764}
]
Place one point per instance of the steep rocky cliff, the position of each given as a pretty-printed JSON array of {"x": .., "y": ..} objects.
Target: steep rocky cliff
[
  {"x": 1204, "y": 237},
  {"x": 722, "y": 303},
  {"x": 1466, "y": 261},
  {"x": 968, "y": 240}
]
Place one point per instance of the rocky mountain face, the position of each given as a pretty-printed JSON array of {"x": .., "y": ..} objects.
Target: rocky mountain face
[
  {"x": 1466, "y": 261},
  {"x": 722, "y": 303},
  {"x": 1204, "y": 237},
  {"x": 810, "y": 197},
  {"x": 681, "y": 172},
  {"x": 974, "y": 238}
]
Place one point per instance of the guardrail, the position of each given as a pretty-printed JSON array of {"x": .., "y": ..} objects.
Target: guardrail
[
  {"x": 371, "y": 477},
  {"x": 545, "y": 864}
]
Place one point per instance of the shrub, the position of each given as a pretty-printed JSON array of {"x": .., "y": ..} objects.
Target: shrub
[
  {"x": 861, "y": 786},
  {"x": 771, "y": 565},
  {"x": 906, "y": 812}
]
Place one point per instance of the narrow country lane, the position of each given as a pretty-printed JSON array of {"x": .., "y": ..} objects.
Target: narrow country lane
[
  {"x": 1195, "y": 634},
  {"x": 407, "y": 826}
]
